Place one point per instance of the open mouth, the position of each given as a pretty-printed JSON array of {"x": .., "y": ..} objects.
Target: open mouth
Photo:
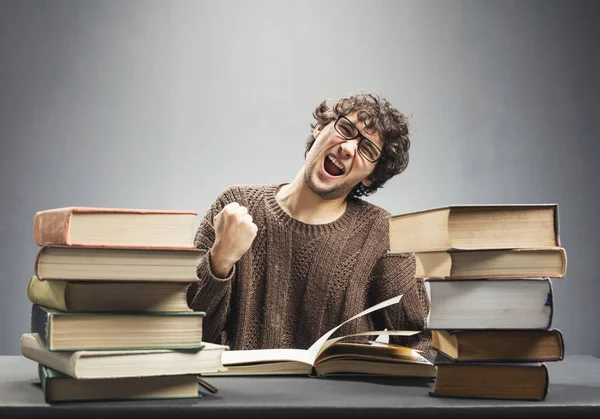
[{"x": 333, "y": 167}]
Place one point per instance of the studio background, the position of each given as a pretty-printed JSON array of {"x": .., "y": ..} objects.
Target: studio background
[{"x": 163, "y": 104}]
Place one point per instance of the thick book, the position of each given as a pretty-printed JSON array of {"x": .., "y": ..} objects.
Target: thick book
[
  {"x": 62, "y": 331},
  {"x": 108, "y": 296},
  {"x": 133, "y": 363},
  {"x": 58, "y": 387},
  {"x": 331, "y": 356},
  {"x": 499, "y": 345},
  {"x": 492, "y": 263},
  {"x": 476, "y": 227},
  {"x": 527, "y": 381},
  {"x": 85, "y": 226},
  {"x": 114, "y": 264},
  {"x": 490, "y": 304}
]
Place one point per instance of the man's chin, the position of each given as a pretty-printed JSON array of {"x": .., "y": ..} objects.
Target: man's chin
[{"x": 327, "y": 193}]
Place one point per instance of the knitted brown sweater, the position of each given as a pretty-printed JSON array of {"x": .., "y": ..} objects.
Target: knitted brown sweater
[{"x": 297, "y": 281}]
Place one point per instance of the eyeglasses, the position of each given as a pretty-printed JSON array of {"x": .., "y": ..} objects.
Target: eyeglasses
[{"x": 366, "y": 147}]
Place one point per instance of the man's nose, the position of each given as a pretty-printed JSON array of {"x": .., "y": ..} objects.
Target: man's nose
[{"x": 348, "y": 148}]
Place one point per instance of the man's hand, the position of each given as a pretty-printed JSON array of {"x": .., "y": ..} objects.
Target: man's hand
[{"x": 234, "y": 234}]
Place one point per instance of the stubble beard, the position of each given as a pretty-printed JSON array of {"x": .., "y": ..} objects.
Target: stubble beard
[{"x": 340, "y": 190}]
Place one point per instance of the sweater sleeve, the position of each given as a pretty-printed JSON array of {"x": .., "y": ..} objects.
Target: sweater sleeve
[
  {"x": 394, "y": 274},
  {"x": 211, "y": 294}
]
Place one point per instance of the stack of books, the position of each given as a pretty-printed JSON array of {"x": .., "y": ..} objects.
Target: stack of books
[
  {"x": 110, "y": 318},
  {"x": 487, "y": 269}
]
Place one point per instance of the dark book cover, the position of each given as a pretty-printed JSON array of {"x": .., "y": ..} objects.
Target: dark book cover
[
  {"x": 555, "y": 332},
  {"x": 442, "y": 360}
]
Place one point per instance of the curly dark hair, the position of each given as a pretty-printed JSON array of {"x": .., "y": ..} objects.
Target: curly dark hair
[{"x": 378, "y": 115}]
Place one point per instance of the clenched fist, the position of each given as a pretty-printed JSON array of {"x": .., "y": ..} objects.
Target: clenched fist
[{"x": 234, "y": 234}]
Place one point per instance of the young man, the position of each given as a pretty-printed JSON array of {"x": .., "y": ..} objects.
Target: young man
[{"x": 283, "y": 264}]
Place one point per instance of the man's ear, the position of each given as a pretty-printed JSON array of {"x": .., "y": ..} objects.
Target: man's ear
[
  {"x": 366, "y": 182},
  {"x": 317, "y": 130}
]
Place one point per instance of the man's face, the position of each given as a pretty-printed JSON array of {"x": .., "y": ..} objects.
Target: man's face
[{"x": 334, "y": 165}]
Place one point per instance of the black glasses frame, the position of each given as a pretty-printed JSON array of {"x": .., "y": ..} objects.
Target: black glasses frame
[{"x": 360, "y": 137}]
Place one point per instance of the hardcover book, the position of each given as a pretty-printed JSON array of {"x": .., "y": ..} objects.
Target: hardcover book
[
  {"x": 114, "y": 227},
  {"x": 490, "y": 304},
  {"x": 62, "y": 331},
  {"x": 492, "y": 263},
  {"x": 527, "y": 381},
  {"x": 58, "y": 387},
  {"x": 476, "y": 227},
  {"x": 108, "y": 296},
  {"x": 113, "y": 264},
  {"x": 499, "y": 345},
  {"x": 133, "y": 363}
]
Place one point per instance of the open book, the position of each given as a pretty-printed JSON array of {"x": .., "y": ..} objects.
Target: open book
[{"x": 330, "y": 356}]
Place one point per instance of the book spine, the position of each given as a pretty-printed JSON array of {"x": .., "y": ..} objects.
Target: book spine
[
  {"x": 36, "y": 264},
  {"x": 43, "y": 375},
  {"x": 556, "y": 225},
  {"x": 550, "y": 302},
  {"x": 563, "y": 253},
  {"x": 547, "y": 382},
  {"x": 40, "y": 324},
  {"x": 52, "y": 227},
  {"x": 51, "y": 294},
  {"x": 561, "y": 343}
]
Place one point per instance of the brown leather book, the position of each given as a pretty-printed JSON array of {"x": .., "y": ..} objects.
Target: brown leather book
[
  {"x": 114, "y": 227},
  {"x": 491, "y": 381},
  {"x": 499, "y": 345}
]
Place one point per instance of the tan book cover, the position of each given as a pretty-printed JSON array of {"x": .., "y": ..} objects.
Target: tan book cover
[
  {"x": 86, "y": 226},
  {"x": 132, "y": 363},
  {"x": 492, "y": 263},
  {"x": 62, "y": 331},
  {"x": 83, "y": 263},
  {"x": 471, "y": 227}
]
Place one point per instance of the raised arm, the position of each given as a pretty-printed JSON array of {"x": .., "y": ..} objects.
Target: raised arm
[
  {"x": 224, "y": 235},
  {"x": 394, "y": 274}
]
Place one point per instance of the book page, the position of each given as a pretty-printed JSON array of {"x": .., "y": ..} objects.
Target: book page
[
  {"x": 315, "y": 349},
  {"x": 330, "y": 342},
  {"x": 306, "y": 356},
  {"x": 415, "y": 356},
  {"x": 265, "y": 355}
]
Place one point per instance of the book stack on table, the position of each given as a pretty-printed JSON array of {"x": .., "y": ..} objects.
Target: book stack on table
[
  {"x": 110, "y": 318},
  {"x": 488, "y": 271}
]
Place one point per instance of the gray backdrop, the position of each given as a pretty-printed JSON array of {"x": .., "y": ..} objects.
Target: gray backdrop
[{"x": 157, "y": 104}]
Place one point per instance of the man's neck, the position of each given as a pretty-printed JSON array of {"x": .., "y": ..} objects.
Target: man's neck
[{"x": 302, "y": 204}]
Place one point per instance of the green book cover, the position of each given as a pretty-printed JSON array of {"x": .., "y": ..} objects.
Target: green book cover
[{"x": 130, "y": 388}]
